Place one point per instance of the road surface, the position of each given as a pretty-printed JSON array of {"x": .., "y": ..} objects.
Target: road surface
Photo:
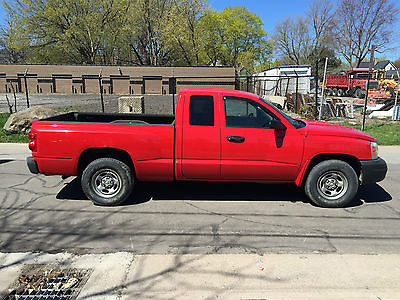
[{"x": 48, "y": 214}]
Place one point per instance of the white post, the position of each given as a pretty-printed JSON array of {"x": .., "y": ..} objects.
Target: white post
[
  {"x": 395, "y": 99},
  {"x": 323, "y": 88}
]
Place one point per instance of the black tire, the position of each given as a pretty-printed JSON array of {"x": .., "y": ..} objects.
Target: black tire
[
  {"x": 331, "y": 183},
  {"x": 340, "y": 92},
  {"x": 358, "y": 93},
  {"x": 334, "y": 92},
  {"x": 107, "y": 181}
]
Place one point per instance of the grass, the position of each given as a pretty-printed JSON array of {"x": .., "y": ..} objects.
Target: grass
[
  {"x": 6, "y": 137},
  {"x": 385, "y": 133}
]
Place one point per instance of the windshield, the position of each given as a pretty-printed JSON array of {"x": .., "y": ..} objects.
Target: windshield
[{"x": 296, "y": 123}]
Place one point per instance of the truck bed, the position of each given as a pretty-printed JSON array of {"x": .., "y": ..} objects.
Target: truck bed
[{"x": 114, "y": 118}]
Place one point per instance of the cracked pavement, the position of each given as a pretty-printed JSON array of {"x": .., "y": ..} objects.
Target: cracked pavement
[
  {"x": 203, "y": 240},
  {"x": 40, "y": 213}
]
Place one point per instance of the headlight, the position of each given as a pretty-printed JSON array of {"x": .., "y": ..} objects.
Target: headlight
[{"x": 374, "y": 150}]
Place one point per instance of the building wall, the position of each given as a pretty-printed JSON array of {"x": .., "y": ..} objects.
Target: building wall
[{"x": 121, "y": 80}]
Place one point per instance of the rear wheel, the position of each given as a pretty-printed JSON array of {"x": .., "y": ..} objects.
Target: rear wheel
[
  {"x": 340, "y": 92},
  {"x": 332, "y": 183},
  {"x": 358, "y": 93},
  {"x": 334, "y": 91},
  {"x": 107, "y": 181}
]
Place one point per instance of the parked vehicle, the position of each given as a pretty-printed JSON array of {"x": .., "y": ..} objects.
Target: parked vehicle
[
  {"x": 216, "y": 135},
  {"x": 353, "y": 83}
]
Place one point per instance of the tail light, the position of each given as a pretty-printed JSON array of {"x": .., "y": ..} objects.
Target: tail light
[{"x": 32, "y": 141}]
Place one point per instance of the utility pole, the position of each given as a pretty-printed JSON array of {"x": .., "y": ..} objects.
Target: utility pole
[{"x": 371, "y": 65}]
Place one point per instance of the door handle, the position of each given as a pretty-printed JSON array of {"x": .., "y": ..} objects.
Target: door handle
[{"x": 235, "y": 139}]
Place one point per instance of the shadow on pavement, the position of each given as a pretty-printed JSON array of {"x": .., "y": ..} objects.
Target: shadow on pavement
[
  {"x": 372, "y": 193},
  {"x": 222, "y": 191},
  {"x": 3, "y": 161}
]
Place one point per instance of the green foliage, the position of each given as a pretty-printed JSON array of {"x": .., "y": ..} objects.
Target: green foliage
[
  {"x": 320, "y": 54},
  {"x": 70, "y": 31},
  {"x": 181, "y": 35},
  {"x": 134, "y": 32},
  {"x": 235, "y": 37},
  {"x": 306, "y": 111}
]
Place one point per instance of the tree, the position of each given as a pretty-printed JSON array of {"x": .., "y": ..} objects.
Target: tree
[
  {"x": 54, "y": 31},
  {"x": 292, "y": 39},
  {"x": 133, "y": 32},
  {"x": 321, "y": 20},
  {"x": 235, "y": 37},
  {"x": 361, "y": 24},
  {"x": 181, "y": 34},
  {"x": 142, "y": 39},
  {"x": 397, "y": 63},
  {"x": 305, "y": 39}
]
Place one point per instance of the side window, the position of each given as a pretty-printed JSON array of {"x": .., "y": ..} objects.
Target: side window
[
  {"x": 242, "y": 113},
  {"x": 201, "y": 110}
]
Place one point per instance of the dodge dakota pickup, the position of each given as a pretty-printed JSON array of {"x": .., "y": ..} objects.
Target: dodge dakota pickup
[{"x": 215, "y": 135}]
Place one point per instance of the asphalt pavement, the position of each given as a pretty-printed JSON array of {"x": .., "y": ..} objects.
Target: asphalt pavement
[{"x": 251, "y": 224}]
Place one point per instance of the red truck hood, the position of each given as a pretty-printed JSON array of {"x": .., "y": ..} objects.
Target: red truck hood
[{"x": 331, "y": 129}]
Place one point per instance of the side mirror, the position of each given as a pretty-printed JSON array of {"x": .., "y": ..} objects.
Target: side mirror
[{"x": 277, "y": 124}]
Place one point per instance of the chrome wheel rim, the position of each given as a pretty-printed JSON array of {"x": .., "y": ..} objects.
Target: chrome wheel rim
[
  {"x": 106, "y": 183},
  {"x": 332, "y": 185}
]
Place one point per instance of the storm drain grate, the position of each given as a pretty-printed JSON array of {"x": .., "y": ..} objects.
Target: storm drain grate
[{"x": 48, "y": 282}]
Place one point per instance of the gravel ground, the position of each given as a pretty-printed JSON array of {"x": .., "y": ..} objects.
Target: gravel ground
[{"x": 154, "y": 104}]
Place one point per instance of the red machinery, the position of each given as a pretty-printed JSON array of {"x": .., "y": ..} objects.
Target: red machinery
[{"x": 353, "y": 83}]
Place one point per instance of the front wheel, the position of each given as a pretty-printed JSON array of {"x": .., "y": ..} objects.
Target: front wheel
[
  {"x": 107, "y": 181},
  {"x": 332, "y": 183}
]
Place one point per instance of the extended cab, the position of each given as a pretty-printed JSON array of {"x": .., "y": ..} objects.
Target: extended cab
[{"x": 215, "y": 135}]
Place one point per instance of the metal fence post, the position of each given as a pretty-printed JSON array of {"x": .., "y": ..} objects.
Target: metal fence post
[
  {"x": 297, "y": 92},
  {"x": 101, "y": 90},
  {"x": 371, "y": 63},
  {"x": 172, "y": 90},
  {"x": 26, "y": 88},
  {"x": 316, "y": 90}
]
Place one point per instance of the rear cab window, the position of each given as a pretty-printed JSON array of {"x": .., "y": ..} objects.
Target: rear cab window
[{"x": 201, "y": 110}]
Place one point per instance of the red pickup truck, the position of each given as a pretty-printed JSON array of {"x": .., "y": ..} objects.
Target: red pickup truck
[{"x": 216, "y": 135}]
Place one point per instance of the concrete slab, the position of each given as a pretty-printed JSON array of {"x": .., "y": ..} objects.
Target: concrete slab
[
  {"x": 275, "y": 276},
  {"x": 14, "y": 151},
  {"x": 122, "y": 275}
]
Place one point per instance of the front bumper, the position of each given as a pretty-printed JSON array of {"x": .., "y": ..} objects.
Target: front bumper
[
  {"x": 32, "y": 165},
  {"x": 373, "y": 170}
]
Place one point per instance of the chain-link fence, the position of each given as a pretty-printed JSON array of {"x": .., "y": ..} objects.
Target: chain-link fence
[{"x": 292, "y": 90}]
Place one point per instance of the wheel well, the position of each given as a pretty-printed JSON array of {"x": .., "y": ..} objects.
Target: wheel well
[
  {"x": 351, "y": 160},
  {"x": 92, "y": 154}
]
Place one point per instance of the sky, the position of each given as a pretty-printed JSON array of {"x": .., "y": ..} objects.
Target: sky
[{"x": 272, "y": 11}]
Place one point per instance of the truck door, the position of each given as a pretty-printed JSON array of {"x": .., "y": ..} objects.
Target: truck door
[
  {"x": 201, "y": 137},
  {"x": 250, "y": 150}
]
